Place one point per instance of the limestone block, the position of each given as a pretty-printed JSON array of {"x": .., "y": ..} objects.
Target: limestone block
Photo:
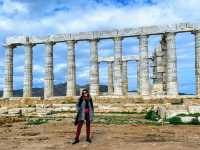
[
  {"x": 3, "y": 110},
  {"x": 172, "y": 113},
  {"x": 194, "y": 109},
  {"x": 186, "y": 119},
  {"x": 27, "y": 110},
  {"x": 13, "y": 111}
]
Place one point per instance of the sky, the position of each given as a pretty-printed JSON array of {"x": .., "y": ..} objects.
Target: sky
[{"x": 46, "y": 17}]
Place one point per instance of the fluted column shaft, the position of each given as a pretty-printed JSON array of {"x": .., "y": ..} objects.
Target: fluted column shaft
[
  {"x": 8, "y": 85},
  {"x": 28, "y": 77},
  {"x": 49, "y": 77},
  {"x": 94, "y": 68},
  {"x": 118, "y": 66},
  {"x": 110, "y": 78},
  {"x": 71, "y": 69},
  {"x": 144, "y": 70},
  {"x": 138, "y": 77},
  {"x": 125, "y": 77},
  {"x": 197, "y": 61},
  {"x": 172, "y": 87}
]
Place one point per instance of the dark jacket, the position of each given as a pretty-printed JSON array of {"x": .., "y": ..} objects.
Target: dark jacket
[{"x": 80, "y": 106}]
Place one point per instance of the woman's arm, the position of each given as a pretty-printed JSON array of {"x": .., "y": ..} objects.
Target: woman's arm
[
  {"x": 91, "y": 104},
  {"x": 78, "y": 104}
]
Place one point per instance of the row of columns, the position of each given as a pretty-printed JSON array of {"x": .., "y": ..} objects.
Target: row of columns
[{"x": 119, "y": 71}]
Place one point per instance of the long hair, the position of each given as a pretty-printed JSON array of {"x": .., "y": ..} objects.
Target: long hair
[{"x": 85, "y": 90}]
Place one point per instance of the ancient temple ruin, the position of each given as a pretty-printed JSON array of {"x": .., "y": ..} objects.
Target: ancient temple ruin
[{"x": 164, "y": 61}]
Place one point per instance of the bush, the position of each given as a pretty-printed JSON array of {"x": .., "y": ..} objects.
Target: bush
[
  {"x": 175, "y": 120},
  {"x": 195, "y": 121},
  {"x": 36, "y": 121},
  {"x": 152, "y": 115}
]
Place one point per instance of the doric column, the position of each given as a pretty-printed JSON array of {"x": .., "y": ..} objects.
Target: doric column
[
  {"x": 138, "y": 77},
  {"x": 110, "y": 78},
  {"x": 94, "y": 68},
  {"x": 158, "y": 70},
  {"x": 49, "y": 77},
  {"x": 8, "y": 85},
  {"x": 118, "y": 66},
  {"x": 71, "y": 69},
  {"x": 172, "y": 87},
  {"x": 27, "y": 91},
  {"x": 125, "y": 77},
  {"x": 144, "y": 69},
  {"x": 197, "y": 61}
]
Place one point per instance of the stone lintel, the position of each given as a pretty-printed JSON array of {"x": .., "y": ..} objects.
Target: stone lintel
[{"x": 127, "y": 32}]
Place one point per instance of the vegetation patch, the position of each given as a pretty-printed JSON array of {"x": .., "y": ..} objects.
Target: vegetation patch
[
  {"x": 176, "y": 120},
  {"x": 152, "y": 115},
  {"x": 37, "y": 121}
]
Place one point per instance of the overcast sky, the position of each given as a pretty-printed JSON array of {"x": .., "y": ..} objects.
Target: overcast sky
[{"x": 45, "y": 17}]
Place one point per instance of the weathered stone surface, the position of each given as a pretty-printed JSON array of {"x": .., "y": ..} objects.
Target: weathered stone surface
[
  {"x": 127, "y": 32},
  {"x": 49, "y": 77},
  {"x": 118, "y": 66},
  {"x": 144, "y": 71},
  {"x": 94, "y": 68},
  {"x": 27, "y": 91},
  {"x": 3, "y": 110},
  {"x": 71, "y": 69},
  {"x": 186, "y": 119},
  {"x": 194, "y": 109}
]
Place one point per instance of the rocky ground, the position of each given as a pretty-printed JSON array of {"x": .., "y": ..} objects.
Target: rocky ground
[{"x": 128, "y": 132}]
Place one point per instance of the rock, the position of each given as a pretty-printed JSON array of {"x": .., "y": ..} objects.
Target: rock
[{"x": 194, "y": 109}]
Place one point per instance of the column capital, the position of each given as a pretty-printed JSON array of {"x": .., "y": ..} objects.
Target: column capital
[
  {"x": 10, "y": 45},
  {"x": 29, "y": 45},
  {"x": 142, "y": 36},
  {"x": 195, "y": 31},
  {"x": 94, "y": 40},
  {"x": 118, "y": 38},
  {"x": 71, "y": 41},
  {"x": 169, "y": 34},
  {"x": 50, "y": 43}
]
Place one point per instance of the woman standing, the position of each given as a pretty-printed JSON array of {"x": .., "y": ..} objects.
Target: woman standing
[{"x": 85, "y": 112}]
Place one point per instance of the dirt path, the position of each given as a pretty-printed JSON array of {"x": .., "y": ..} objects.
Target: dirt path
[{"x": 58, "y": 135}]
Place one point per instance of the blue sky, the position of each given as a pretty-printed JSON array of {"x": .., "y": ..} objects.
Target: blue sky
[{"x": 45, "y": 17}]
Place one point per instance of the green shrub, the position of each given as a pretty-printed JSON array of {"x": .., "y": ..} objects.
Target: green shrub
[
  {"x": 195, "y": 121},
  {"x": 175, "y": 120},
  {"x": 36, "y": 121},
  {"x": 152, "y": 115}
]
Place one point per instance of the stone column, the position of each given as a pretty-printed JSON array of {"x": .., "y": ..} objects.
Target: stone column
[
  {"x": 110, "y": 78},
  {"x": 138, "y": 77},
  {"x": 71, "y": 69},
  {"x": 8, "y": 85},
  {"x": 94, "y": 68},
  {"x": 49, "y": 77},
  {"x": 172, "y": 87},
  {"x": 28, "y": 77},
  {"x": 197, "y": 61},
  {"x": 158, "y": 70},
  {"x": 164, "y": 61},
  {"x": 118, "y": 66},
  {"x": 144, "y": 69},
  {"x": 125, "y": 77}
]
